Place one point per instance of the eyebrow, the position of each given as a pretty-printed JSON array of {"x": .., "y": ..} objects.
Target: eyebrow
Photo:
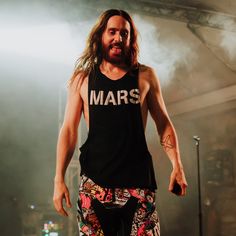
[{"x": 113, "y": 28}]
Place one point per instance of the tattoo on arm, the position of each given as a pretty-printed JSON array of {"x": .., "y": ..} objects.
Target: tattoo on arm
[{"x": 167, "y": 143}]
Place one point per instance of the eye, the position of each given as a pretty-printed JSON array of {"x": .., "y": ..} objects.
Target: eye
[
  {"x": 112, "y": 32},
  {"x": 124, "y": 34}
]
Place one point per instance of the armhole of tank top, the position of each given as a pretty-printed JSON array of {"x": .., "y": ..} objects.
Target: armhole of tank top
[
  {"x": 138, "y": 77},
  {"x": 89, "y": 88},
  {"x": 138, "y": 74},
  {"x": 90, "y": 80}
]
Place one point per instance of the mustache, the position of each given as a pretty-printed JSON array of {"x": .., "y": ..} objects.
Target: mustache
[{"x": 120, "y": 45}]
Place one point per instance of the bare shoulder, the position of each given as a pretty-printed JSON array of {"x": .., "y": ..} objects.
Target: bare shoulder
[
  {"x": 144, "y": 68},
  {"x": 77, "y": 83},
  {"x": 149, "y": 75}
]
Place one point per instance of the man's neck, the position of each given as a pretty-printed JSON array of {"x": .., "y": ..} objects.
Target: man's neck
[
  {"x": 113, "y": 71},
  {"x": 109, "y": 67}
]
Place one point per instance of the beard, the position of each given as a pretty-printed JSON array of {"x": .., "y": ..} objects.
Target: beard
[{"x": 116, "y": 53}]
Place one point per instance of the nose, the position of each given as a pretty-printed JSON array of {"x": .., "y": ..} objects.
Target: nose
[{"x": 118, "y": 37}]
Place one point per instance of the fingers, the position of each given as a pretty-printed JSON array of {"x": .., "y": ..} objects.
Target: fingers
[
  {"x": 178, "y": 183},
  {"x": 68, "y": 203},
  {"x": 172, "y": 183},
  {"x": 59, "y": 206},
  {"x": 60, "y": 193},
  {"x": 184, "y": 186},
  {"x": 171, "y": 186},
  {"x": 183, "y": 189},
  {"x": 177, "y": 188},
  {"x": 62, "y": 212}
]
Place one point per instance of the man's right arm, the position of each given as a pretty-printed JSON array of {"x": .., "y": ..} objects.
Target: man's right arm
[{"x": 66, "y": 143}]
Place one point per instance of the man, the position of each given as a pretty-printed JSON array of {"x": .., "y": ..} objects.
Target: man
[{"x": 115, "y": 93}]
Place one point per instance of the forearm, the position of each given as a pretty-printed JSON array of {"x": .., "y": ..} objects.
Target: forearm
[
  {"x": 65, "y": 149},
  {"x": 169, "y": 142}
]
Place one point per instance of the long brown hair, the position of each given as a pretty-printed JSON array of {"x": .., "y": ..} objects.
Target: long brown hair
[{"x": 92, "y": 54}]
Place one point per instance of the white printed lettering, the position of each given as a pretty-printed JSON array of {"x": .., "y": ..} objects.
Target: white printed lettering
[
  {"x": 110, "y": 98},
  {"x": 114, "y": 97},
  {"x": 134, "y": 93},
  {"x": 124, "y": 96},
  {"x": 96, "y": 100}
]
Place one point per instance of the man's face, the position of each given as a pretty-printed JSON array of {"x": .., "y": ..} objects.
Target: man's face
[{"x": 116, "y": 40}]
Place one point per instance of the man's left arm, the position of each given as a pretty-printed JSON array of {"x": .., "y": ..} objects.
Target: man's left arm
[{"x": 166, "y": 131}]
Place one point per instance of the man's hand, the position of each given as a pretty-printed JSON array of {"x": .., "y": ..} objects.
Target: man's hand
[
  {"x": 61, "y": 192},
  {"x": 178, "y": 183}
]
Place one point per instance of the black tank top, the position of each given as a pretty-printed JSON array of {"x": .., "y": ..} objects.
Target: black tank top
[{"x": 115, "y": 154}]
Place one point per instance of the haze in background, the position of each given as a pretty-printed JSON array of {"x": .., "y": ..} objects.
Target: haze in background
[{"x": 39, "y": 44}]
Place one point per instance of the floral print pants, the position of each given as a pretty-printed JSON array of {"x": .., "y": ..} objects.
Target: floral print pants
[{"x": 119, "y": 211}]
